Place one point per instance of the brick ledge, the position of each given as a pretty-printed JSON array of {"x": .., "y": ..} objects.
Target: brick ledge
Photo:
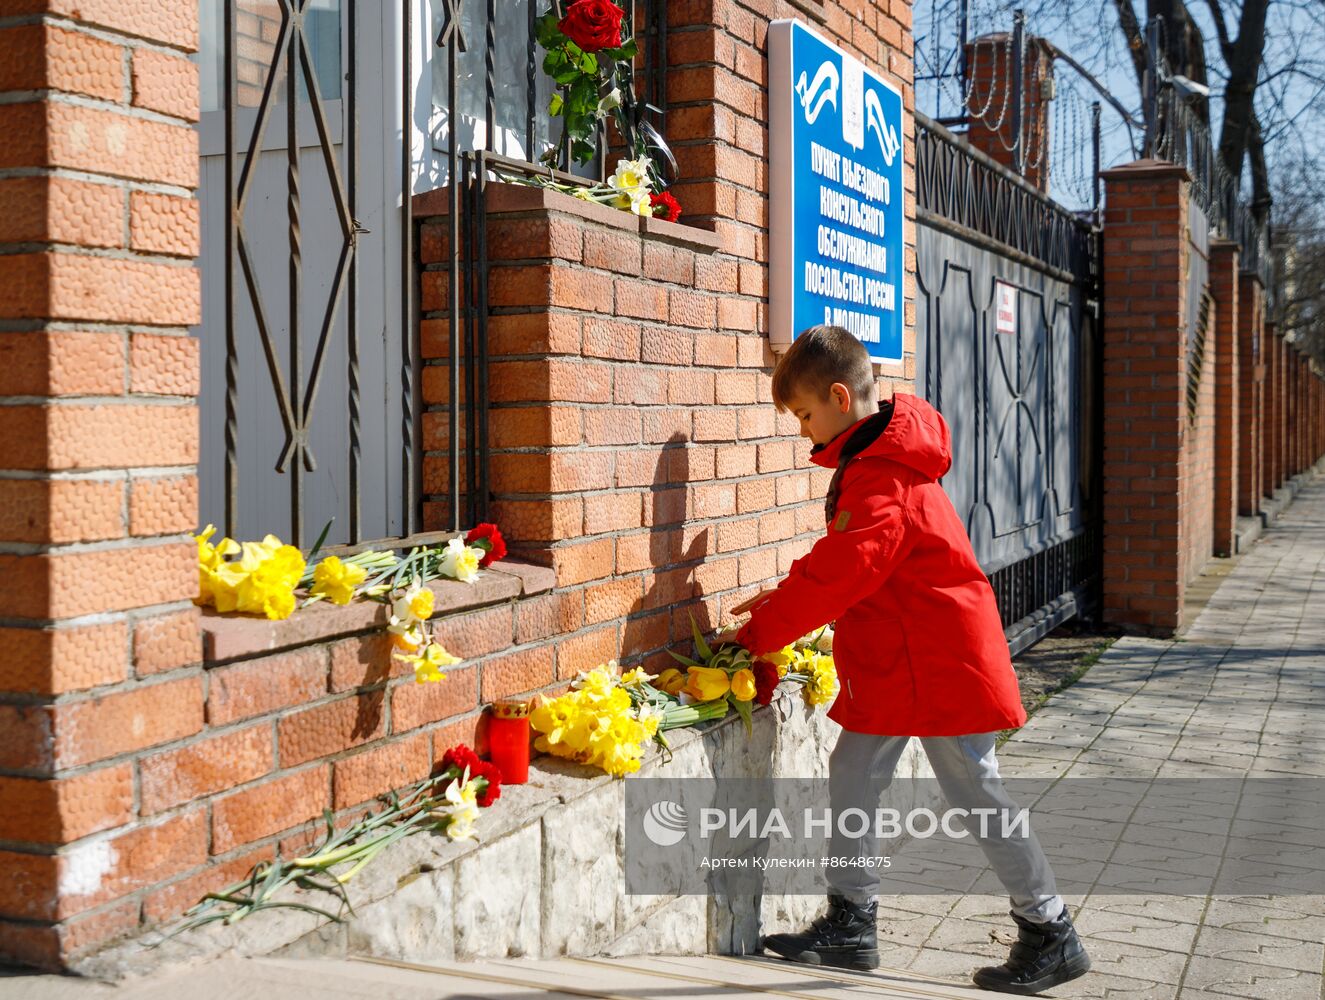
[
  {"x": 229, "y": 637},
  {"x": 503, "y": 197}
]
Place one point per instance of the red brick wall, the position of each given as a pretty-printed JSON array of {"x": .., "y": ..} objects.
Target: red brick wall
[
  {"x": 99, "y": 438},
  {"x": 1251, "y": 393},
  {"x": 1272, "y": 429},
  {"x": 1146, "y": 251},
  {"x": 1223, "y": 355}
]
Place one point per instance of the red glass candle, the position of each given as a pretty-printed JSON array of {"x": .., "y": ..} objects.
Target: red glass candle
[{"x": 508, "y": 740}]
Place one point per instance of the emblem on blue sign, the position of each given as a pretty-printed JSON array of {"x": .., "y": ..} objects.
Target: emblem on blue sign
[{"x": 836, "y": 184}]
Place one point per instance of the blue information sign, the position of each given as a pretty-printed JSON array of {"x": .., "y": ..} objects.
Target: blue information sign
[{"x": 836, "y": 193}]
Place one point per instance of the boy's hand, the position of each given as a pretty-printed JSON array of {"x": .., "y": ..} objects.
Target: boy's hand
[{"x": 753, "y": 602}]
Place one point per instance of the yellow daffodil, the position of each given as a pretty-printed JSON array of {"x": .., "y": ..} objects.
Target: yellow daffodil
[
  {"x": 743, "y": 685},
  {"x": 635, "y": 676},
  {"x": 630, "y": 175},
  {"x": 406, "y": 636},
  {"x": 706, "y": 683},
  {"x": 600, "y": 680},
  {"x": 670, "y": 680},
  {"x": 822, "y": 685},
  {"x": 336, "y": 580},
  {"x": 413, "y": 606},
  {"x": 428, "y": 664}
]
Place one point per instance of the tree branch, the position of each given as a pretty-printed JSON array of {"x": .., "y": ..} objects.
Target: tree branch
[
  {"x": 1136, "y": 43},
  {"x": 1221, "y": 29}
]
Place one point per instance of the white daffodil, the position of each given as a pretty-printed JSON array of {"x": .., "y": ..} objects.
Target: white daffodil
[{"x": 459, "y": 561}]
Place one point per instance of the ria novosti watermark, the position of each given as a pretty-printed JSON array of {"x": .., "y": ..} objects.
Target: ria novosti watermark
[{"x": 1261, "y": 836}]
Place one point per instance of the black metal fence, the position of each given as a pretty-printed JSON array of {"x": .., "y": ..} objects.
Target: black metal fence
[
  {"x": 957, "y": 185},
  {"x": 1177, "y": 133}
]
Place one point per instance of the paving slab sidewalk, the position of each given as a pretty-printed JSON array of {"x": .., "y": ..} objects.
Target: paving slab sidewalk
[{"x": 1233, "y": 710}]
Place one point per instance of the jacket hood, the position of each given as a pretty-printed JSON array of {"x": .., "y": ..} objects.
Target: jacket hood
[{"x": 917, "y": 436}]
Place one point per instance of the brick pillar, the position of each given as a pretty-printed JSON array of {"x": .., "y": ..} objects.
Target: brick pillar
[
  {"x": 1146, "y": 250},
  {"x": 1269, "y": 427},
  {"x": 990, "y": 105},
  {"x": 1224, "y": 353},
  {"x": 1295, "y": 413},
  {"x": 99, "y": 443},
  {"x": 1251, "y": 388},
  {"x": 1280, "y": 408}
]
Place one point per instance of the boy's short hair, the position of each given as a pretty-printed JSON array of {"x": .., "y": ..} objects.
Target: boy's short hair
[{"x": 819, "y": 357}]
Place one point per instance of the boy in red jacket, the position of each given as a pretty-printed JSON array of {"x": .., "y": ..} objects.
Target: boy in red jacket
[{"x": 919, "y": 649}]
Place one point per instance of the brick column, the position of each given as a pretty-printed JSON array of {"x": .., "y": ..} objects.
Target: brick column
[
  {"x": 99, "y": 443},
  {"x": 1293, "y": 434},
  {"x": 1251, "y": 388},
  {"x": 1224, "y": 353},
  {"x": 1270, "y": 424},
  {"x": 1146, "y": 250},
  {"x": 1280, "y": 409}
]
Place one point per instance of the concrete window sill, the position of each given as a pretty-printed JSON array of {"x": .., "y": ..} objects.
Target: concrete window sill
[{"x": 232, "y": 637}]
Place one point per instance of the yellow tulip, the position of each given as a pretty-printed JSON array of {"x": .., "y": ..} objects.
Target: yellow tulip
[
  {"x": 706, "y": 683},
  {"x": 670, "y": 680},
  {"x": 743, "y": 685}
]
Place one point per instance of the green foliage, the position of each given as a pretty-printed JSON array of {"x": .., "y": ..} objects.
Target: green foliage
[{"x": 584, "y": 79}]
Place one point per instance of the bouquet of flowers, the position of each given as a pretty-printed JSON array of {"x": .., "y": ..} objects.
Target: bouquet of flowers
[
  {"x": 591, "y": 55},
  {"x": 266, "y": 574},
  {"x": 606, "y": 718},
  {"x": 447, "y": 803},
  {"x": 730, "y": 673}
]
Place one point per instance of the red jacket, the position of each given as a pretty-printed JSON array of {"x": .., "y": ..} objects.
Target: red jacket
[{"x": 919, "y": 645}]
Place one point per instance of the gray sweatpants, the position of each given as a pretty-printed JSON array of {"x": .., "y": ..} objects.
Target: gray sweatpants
[{"x": 862, "y": 766}]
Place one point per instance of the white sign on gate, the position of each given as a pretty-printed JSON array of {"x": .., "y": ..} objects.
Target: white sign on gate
[{"x": 1005, "y": 308}]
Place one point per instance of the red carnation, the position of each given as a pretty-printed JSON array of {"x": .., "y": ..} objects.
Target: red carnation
[
  {"x": 593, "y": 24},
  {"x": 489, "y": 539},
  {"x": 490, "y": 773},
  {"x": 766, "y": 681},
  {"x": 461, "y": 758},
  {"x": 665, "y": 207}
]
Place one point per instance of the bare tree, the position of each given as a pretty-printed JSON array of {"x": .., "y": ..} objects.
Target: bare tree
[{"x": 1299, "y": 252}]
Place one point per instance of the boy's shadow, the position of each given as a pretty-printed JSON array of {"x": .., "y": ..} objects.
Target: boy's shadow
[{"x": 674, "y": 553}]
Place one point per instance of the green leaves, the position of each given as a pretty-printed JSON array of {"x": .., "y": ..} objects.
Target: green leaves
[
  {"x": 585, "y": 80},
  {"x": 701, "y": 647}
]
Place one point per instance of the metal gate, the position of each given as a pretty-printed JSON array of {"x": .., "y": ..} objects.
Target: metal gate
[
  {"x": 1018, "y": 385},
  {"x": 306, "y": 404}
]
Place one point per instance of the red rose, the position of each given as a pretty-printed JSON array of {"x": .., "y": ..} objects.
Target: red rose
[
  {"x": 593, "y": 24},
  {"x": 489, "y": 539},
  {"x": 665, "y": 207},
  {"x": 766, "y": 681}
]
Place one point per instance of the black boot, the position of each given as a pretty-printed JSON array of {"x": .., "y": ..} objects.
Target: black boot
[
  {"x": 1044, "y": 955},
  {"x": 845, "y": 936}
]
